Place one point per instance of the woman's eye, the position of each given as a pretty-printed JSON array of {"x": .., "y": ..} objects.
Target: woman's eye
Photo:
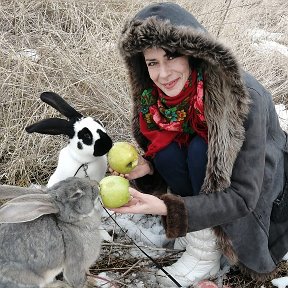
[
  {"x": 151, "y": 64},
  {"x": 170, "y": 57}
]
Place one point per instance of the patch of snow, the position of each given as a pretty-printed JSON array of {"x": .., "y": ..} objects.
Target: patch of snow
[
  {"x": 267, "y": 42},
  {"x": 283, "y": 116},
  {"x": 260, "y": 34},
  {"x": 29, "y": 53},
  {"x": 272, "y": 46},
  {"x": 280, "y": 282}
]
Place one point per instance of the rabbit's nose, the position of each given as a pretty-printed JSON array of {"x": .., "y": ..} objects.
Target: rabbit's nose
[
  {"x": 97, "y": 202},
  {"x": 94, "y": 184},
  {"x": 98, "y": 208}
]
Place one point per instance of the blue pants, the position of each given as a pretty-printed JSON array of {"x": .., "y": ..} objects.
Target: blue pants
[{"x": 183, "y": 168}]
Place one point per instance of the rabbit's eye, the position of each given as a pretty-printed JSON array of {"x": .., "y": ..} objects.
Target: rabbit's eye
[
  {"x": 77, "y": 194},
  {"x": 86, "y": 136}
]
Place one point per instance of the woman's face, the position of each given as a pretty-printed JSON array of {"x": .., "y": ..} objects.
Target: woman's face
[{"x": 169, "y": 73}]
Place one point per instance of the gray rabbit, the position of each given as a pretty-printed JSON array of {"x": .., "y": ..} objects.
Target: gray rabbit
[{"x": 47, "y": 232}]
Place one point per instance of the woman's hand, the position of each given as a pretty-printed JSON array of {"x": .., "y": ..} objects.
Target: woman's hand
[
  {"x": 142, "y": 204},
  {"x": 143, "y": 168}
]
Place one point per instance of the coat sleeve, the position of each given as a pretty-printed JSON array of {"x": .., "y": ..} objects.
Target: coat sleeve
[{"x": 240, "y": 198}]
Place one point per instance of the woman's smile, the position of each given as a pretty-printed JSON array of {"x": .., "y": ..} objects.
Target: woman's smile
[{"x": 171, "y": 84}]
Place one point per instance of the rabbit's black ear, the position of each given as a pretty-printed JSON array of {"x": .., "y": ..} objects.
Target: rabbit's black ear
[
  {"x": 57, "y": 102},
  {"x": 52, "y": 126},
  {"x": 103, "y": 144}
]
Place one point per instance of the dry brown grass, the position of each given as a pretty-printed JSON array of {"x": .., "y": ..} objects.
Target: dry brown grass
[{"x": 76, "y": 45}]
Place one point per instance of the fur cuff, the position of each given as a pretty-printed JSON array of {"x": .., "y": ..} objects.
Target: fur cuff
[{"x": 176, "y": 221}]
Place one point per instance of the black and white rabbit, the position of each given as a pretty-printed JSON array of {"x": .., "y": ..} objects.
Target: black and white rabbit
[
  {"x": 45, "y": 233},
  {"x": 85, "y": 154}
]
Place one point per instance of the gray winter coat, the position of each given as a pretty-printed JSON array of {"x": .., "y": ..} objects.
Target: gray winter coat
[{"x": 246, "y": 146}]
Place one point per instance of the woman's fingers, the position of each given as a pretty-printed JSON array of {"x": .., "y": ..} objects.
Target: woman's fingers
[
  {"x": 115, "y": 173},
  {"x": 143, "y": 204},
  {"x": 135, "y": 193},
  {"x": 143, "y": 168}
]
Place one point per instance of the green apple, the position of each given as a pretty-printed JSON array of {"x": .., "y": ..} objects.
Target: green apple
[
  {"x": 122, "y": 157},
  {"x": 114, "y": 191}
]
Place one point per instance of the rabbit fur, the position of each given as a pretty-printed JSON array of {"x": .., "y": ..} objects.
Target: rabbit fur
[
  {"x": 85, "y": 154},
  {"x": 45, "y": 233}
]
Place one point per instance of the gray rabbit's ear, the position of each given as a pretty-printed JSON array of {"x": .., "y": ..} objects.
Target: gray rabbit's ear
[
  {"x": 26, "y": 208},
  {"x": 9, "y": 191}
]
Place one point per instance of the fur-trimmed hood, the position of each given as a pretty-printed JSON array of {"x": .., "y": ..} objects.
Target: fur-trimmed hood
[{"x": 226, "y": 101}]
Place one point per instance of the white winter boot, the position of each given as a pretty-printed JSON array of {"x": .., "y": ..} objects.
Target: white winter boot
[
  {"x": 180, "y": 243},
  {"x": 201, "y": 260}
]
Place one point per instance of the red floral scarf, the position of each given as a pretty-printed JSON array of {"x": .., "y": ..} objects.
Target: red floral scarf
[{"x": 164, "y": 119}]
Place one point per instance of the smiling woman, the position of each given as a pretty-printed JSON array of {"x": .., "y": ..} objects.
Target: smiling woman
[
  {"x": 210, "y": 133},
  {"x": 168, "y": 71}
]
